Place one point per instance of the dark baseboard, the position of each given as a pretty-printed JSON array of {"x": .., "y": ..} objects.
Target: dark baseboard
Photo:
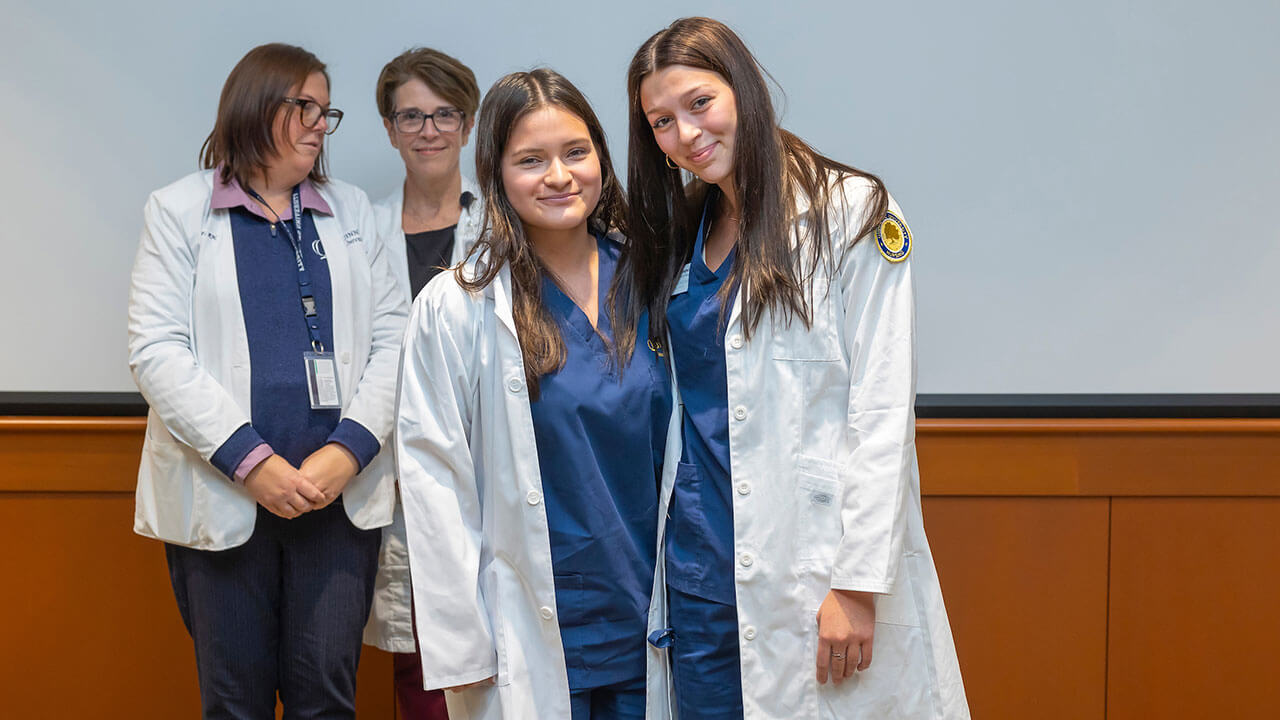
[
  {"x": 86, "y": 404},
  {"x": 929, "y": 405},
  {"x": 947, "y": 405}
]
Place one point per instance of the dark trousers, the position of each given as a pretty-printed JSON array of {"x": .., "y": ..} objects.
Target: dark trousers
[
  {"x": 620, "y": 701},
  {"x": 282, "y": 613},
  {"x": 704, "y": 657}
]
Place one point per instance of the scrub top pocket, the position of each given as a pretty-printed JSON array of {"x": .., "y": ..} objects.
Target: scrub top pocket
[{"x": 691, "y": 558}]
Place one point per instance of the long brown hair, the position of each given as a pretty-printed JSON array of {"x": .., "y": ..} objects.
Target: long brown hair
[
  {"x": 242, "y": 140},
  {"x": 502, "y": 236},
  {"x": 772, "y": 170}
]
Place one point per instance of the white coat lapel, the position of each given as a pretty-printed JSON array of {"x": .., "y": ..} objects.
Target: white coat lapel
[
  {"x": 338, "y": 257},
  {"x": 503, "y": 303},
  {"x": 228, "y": 353},
  {"x": 395, "y": 242},
  {"x": 736, "y": 310}
]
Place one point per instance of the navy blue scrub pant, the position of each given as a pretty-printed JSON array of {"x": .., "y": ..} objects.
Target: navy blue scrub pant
[
  {"x": 621, "y": 701},
  {"x": 282, "y": 613},
  {"x": 704, "y": 657}
]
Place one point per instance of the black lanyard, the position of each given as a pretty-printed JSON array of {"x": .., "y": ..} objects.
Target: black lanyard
[{"x": 304, "y": 277}]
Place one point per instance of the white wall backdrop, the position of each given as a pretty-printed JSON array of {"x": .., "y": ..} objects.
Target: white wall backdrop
[{"x": 1093, "y": 185}]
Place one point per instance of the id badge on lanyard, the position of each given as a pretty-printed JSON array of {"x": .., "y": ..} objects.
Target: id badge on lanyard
[
  {"x": 322, "y": 381},
  {"x": 322, "y": 368}
]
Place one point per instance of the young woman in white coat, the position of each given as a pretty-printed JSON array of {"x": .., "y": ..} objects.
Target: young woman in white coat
[
  {"x": 264, "y": 327},
  {"x": 428, "y": 103},
  {"x": 529, "y": 449},
  {"x": 795, "y": 538}
]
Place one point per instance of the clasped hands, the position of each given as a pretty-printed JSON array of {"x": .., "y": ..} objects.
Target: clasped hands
[{"x": 289, "y": 492}]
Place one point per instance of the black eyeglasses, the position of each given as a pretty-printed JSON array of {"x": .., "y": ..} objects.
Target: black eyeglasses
[
  {"x": 311, "y": 112},
  {"x": 411, "y": 121}
]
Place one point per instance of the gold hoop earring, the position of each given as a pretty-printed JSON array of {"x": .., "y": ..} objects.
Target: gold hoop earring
[{"x": 670, "y": 164}]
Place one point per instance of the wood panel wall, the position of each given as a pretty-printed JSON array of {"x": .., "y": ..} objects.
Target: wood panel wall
[{"x": 1092, "y": 569}]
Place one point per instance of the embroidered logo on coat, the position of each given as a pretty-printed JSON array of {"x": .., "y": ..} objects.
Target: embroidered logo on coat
[{"x": 894, "y": 238}]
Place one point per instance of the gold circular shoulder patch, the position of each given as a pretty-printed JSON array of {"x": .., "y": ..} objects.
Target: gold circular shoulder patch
[{"x": 894, "y": 238}]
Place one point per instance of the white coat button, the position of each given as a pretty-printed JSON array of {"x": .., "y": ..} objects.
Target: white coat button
[
  {"x": 744, "y": 488},
  {"x": 740, "y": 413},
  {"x": 546, "y": 612},
  {"x": 746, "y": 560},
  {"x": 534, "y": 497},
  {"x": 515, "y": 384},
  {"x": 749, "y": 633},
  {"x": 735, "y": 342},
  {"x": 346, "y": 358}
]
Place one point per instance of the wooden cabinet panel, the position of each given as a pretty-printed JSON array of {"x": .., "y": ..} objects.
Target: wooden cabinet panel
[
  {"x": 1195, "y": 608},
  {"x": 1100, "y": 458},
  {"x": 1028, "y": 519},
  {"x": 375, "y": 686},
  {"x": 70, "y": 454},
  {"x": 91, "y": 628},
  {"x": 955, "y": 461},
  {"x": 1025, "y": 582}
]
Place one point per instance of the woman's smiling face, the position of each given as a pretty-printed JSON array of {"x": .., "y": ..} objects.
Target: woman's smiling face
[
  {"x": 550, "y": 170},
  {"x": 694, "y": 117},
  {"x": 429, "y": 152}
]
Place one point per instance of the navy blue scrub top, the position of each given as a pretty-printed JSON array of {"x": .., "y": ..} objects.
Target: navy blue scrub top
[
  {"x": 601, "y": 434},
  {"x": 699, "y": 538}
]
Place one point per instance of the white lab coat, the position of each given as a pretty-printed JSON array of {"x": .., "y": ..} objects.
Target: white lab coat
[
  {"x": 390, "y": 625},
  {"x": 827, "y": 494},
  {"x": 477, "y": 527},
  {"x": 189, "y": 355}
]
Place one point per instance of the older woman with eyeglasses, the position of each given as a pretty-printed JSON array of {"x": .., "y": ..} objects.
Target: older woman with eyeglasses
[
  {"x": 264, "y": 330},
  {"x": 427, "y": 101}
]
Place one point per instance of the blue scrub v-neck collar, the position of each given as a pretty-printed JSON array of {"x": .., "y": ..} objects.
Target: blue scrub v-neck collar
[
  {"x": 568, "y": 311},
  {"x": 701, "y": 272}
]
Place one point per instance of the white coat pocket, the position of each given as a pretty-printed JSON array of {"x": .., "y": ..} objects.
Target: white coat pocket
[
  {"x": 819, "y": 342},
  {"x": 819, "y": 497}
]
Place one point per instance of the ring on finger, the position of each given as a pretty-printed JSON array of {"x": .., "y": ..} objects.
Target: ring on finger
[{"x": 837, "y": 656}]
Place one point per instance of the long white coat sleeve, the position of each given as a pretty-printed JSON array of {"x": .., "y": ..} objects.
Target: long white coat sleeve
[
  {"x": 373, "y": 404},
  {"x": 879, "y": 338},
  {"x": 442, "y": 500},
  {"x": 194, "y": 407}
]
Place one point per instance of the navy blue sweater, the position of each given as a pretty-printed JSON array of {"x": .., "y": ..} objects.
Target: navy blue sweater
[{"x": 281, "y": 413}]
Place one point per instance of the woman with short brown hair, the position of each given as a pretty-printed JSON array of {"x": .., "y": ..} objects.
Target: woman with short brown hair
[
  {"x": 264, "y": 326},
  {"x": 428, "y": 102}
]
